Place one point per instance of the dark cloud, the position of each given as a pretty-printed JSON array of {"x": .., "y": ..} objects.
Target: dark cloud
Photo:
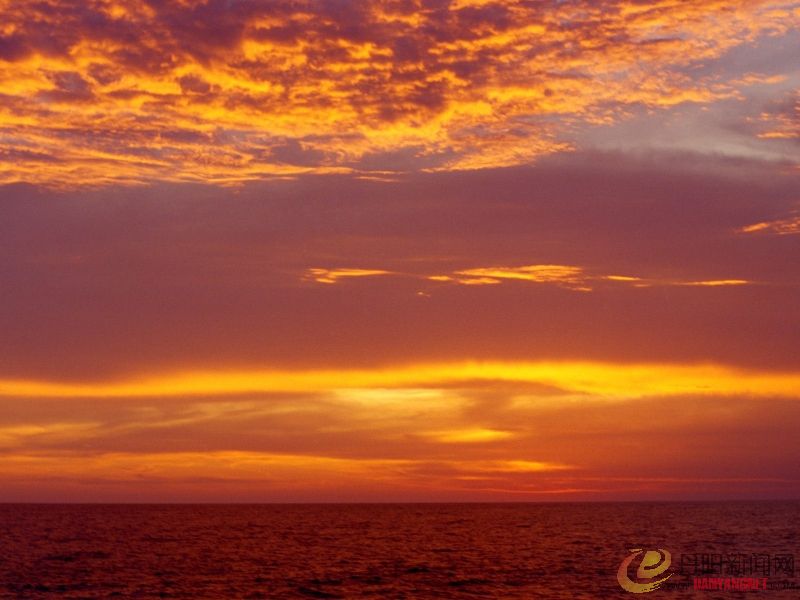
[
  {"x": 293, "y": 152},
  {"x": 13, "y": 47},
  {"x": 68, "y": 87},
  {"x": 18, "y": 154},
  {"x": 194, "y": 84}
]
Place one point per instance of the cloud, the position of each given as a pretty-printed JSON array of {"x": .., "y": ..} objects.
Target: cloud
[
  {"x": 305, "y": 447},
  {"x": 631, "y": 380},
  {"x": 471, "y": 436},
  {"x": 788, "y": 226},
  {"x": 571, "y": 277},
  {"x": 333, "y": 275},
  {"x": 277, "y": 89},
  {"x": 781, "y": 120},
  {"x": 714, "y": 282},
  {"x": 561, "y": 274},
  {"x": 567, "y": 276}
]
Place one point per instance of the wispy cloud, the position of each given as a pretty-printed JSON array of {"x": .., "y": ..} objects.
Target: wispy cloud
[
  {"x": 781, "y": 119},
  {"x": 479, "y": 437},
  {"x": 468, "y": 436},
  {"x": 333, "y": 275},
  {"x": 787, "y": 226},
  {"x": 713, "y": 282},
  {"x": 566, "y": 276}
]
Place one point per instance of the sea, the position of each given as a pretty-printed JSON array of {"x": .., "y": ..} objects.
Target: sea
[{"x": 401, "y": 551}]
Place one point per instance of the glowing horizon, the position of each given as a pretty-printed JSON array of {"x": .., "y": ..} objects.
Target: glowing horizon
[{"x": 592, "y": 378}]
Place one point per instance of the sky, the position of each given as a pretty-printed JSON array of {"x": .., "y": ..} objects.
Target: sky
[{"x": 399, "y": 250}]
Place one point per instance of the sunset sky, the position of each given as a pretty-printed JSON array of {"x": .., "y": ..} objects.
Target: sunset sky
[{"x": 399, "y": 250}]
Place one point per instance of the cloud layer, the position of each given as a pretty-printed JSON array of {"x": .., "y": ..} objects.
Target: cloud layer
[{"x": 103, "y": 92}]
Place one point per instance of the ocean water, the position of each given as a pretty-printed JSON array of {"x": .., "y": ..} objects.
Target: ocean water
[{"x": 385, "y": 551}]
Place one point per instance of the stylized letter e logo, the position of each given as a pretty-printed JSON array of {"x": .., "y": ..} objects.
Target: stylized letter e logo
[{"x": 653, "y": 564}]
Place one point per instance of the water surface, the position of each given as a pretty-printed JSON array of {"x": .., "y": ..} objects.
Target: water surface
[{"x": 374, "y": 551}]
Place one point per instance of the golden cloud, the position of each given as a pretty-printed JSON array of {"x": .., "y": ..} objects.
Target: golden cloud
[
  {"x": 596, "y": 378},
  {"x": 333, "y": 275},
  {"x": 567, "y": 276},
  {"x": 109, "y": 92}
]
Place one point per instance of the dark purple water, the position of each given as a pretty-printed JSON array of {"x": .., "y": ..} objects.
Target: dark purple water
[{"x": 377, "y": 551}]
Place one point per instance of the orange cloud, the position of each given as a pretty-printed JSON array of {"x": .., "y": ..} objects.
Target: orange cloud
[
  {"x": 788, "y": 226},
  {"x": 621, "y": 430},
  {"x": 625, "y": 381},
  {"x": 207, "y": 473},
  {"x": 563, "y": 274},
  {"x": 567, "y": 276},
  {"x": 333, "y": 275},
  {"x": 476, "y": 435},
  {"x": 715, "y": 282},
  {"x": 111, "y": 92}
]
